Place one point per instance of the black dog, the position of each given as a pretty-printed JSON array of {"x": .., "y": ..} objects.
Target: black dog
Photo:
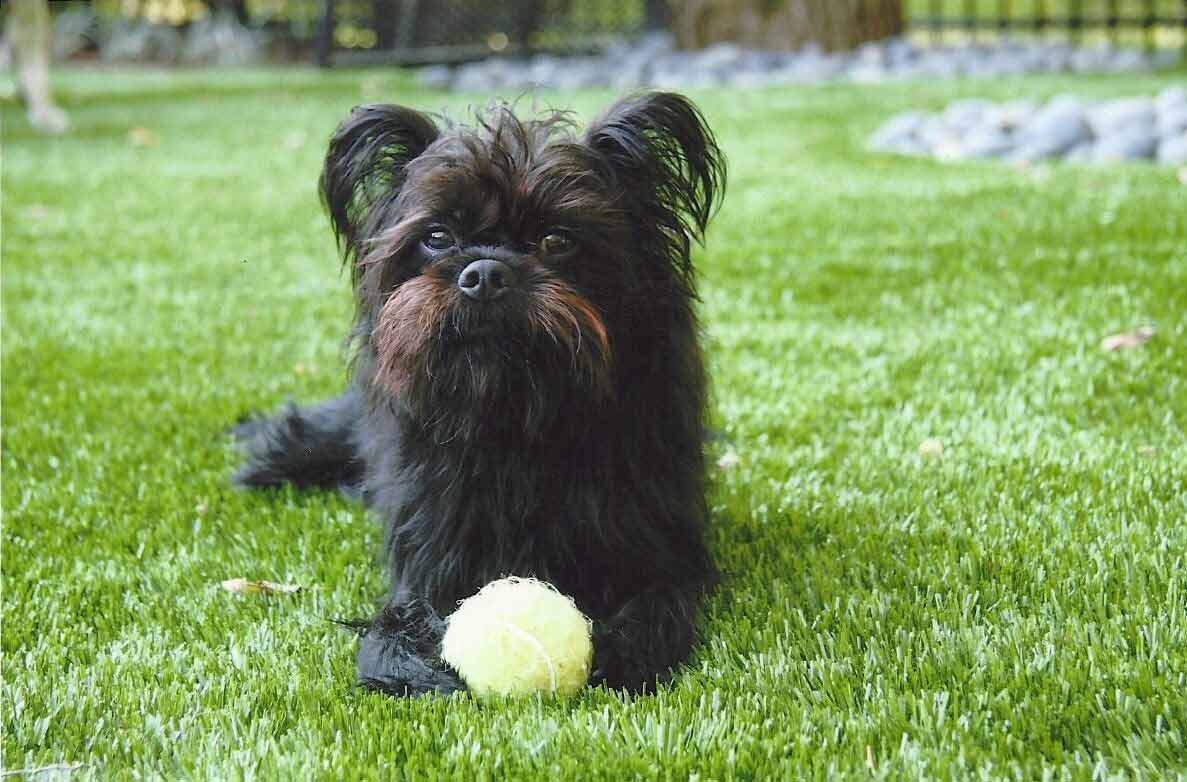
[{"x": 528, "y": 393}]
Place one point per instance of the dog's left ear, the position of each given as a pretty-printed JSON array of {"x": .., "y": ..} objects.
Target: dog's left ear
[
  {"x": 364, "y": 167},
  {"x": 660, "y": 150}
]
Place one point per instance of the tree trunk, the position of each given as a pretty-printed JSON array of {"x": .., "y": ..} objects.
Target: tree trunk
[{"x": 785, "y": 24}]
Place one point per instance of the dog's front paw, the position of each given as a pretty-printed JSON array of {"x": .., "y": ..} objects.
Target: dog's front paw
[
  {"x": 387, "y": 666},
  {"x": 398, "y": 653}
]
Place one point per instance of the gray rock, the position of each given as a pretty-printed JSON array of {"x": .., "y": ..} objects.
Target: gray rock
[
  {"x": 1173, "y": 151},
  {"x": 868, "y": 73},
  {"x": 1172, "y": 121},
  {"x": 1053, "y": 59},
  {"x": 1115, "y": 116},
  {"x": 1128, "y": 144},
  {"x": 939, "y": 65},
  {"x": 75, "y": 29},
  {"x": 963, "y": 115},
  {"x": 911, "y": 146},
  {"x": 809, "y": 67},
  {"x": 1011, "y": 115},
  {"x": 1171, "y": 97},
  {"x": 580, "y": 72},
  {"x": 1164, "y": 59},
  {"x": 482, "y": 76},
  {"x": 897, "y": 130},
  {"x": 1081, "y": 153},
  {"x": 629, "y": 77},
  {"x": 1066, "y": 100},
  {"x": 871, "y": 53},
  {"x": 645, "y": 47},
  {"x": 435, "y": 77},
  {"x": 998, "y": 64},
  {"x": 543, "y": 69},
  {"x": 899, "y": 52},
  {"x": 136, "y": 41},
  {"x": 986, "y": 141},
  {"x": 220, "y": 39},
  {"x": 653, "y": 60},
  {"x": 718, "y": 59},
  {"x": 1127, "y": 61},
  {"x": 937, "y": 136},
  {"x": 1091, "y": 60},
  {"x": 1055, "y": 129},
  {"x": 769, "y": 61},
  {"x": 750, "y": 79}
]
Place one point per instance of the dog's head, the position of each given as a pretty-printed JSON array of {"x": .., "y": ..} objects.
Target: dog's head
[{"x": 504, "y": 264}]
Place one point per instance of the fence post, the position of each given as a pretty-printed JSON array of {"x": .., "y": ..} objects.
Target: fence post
[
  {"x": 406, "y": 27},
  {"x": 1003, "y": 19},
  {"x": 657, "y": 15},
  {"x": 383, "y": 17},
  {"x": 323, "y": 45},
  {"x": 525, "y": 20},
  {"x": 1148, "y": 24},
  {"x": 1113, "y": 21}
]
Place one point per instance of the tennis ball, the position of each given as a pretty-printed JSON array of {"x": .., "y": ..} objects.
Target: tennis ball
[{"x": 519, "y": 636}]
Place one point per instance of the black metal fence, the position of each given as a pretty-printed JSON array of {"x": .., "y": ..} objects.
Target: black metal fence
[
  {"x": 436, "y": 31},
  {"x": 1152, "y": 23},
  {"x": 419, "y": 31}
]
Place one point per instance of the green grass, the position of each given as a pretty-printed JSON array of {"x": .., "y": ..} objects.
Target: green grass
[{"x": 1012, "y": 609}]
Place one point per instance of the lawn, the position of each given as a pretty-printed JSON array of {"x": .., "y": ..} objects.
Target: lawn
[{"x": 1013, "y": 607}]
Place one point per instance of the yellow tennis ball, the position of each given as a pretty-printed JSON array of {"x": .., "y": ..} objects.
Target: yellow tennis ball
[{"x": 519, "y": 636}]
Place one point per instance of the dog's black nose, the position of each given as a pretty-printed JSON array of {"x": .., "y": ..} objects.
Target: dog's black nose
[{"x": 486, "y": 280}]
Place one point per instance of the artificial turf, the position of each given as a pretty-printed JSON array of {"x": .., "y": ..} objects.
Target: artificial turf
[{"x": 1011, "y": 608}]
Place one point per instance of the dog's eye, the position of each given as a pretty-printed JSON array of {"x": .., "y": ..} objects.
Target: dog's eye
[
  {"x": 556, "y": 244},
  {"x": 438, "y": 239}
]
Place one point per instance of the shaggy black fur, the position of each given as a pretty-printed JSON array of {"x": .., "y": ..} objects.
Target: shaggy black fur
[{"x": 550, "y": 423}]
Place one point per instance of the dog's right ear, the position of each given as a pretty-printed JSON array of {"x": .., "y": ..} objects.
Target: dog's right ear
[{"x": 364, "y": 168}]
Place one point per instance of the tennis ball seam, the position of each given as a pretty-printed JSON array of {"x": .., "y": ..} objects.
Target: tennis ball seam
[{"x": 539, "y": 647}]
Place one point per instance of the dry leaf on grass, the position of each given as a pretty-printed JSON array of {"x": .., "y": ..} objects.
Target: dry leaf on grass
[
  {"x": 931, "y": 447},
  {"x": 293, "y": 140},
  {"x": 241, "y": 586},
  {"x": 372, "y": 88},
  {"x": 143, "y": 137},
  {"x": 1040, "y": 173},
  {"x": 1128, "y": 339},
  {"x": 36, "y": 212}
]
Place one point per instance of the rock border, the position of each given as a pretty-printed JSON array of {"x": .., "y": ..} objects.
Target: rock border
[
  {"x": 653, "y": 61},
  {"x": 1066, "y": 127}
]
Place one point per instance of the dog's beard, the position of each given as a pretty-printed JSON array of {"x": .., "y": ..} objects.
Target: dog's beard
[{"x": 465, "y": 371}]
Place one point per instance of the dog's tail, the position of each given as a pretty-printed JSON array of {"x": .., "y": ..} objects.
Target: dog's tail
[{"x": 311, "y": 446}]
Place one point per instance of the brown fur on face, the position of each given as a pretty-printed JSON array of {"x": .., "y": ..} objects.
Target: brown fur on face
[
  {"x": 414, "y": 314},
  {"x": 422, "y": 327},
  {"x": 569, "y": 320},
  {"x": 498, "y": 188}
]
